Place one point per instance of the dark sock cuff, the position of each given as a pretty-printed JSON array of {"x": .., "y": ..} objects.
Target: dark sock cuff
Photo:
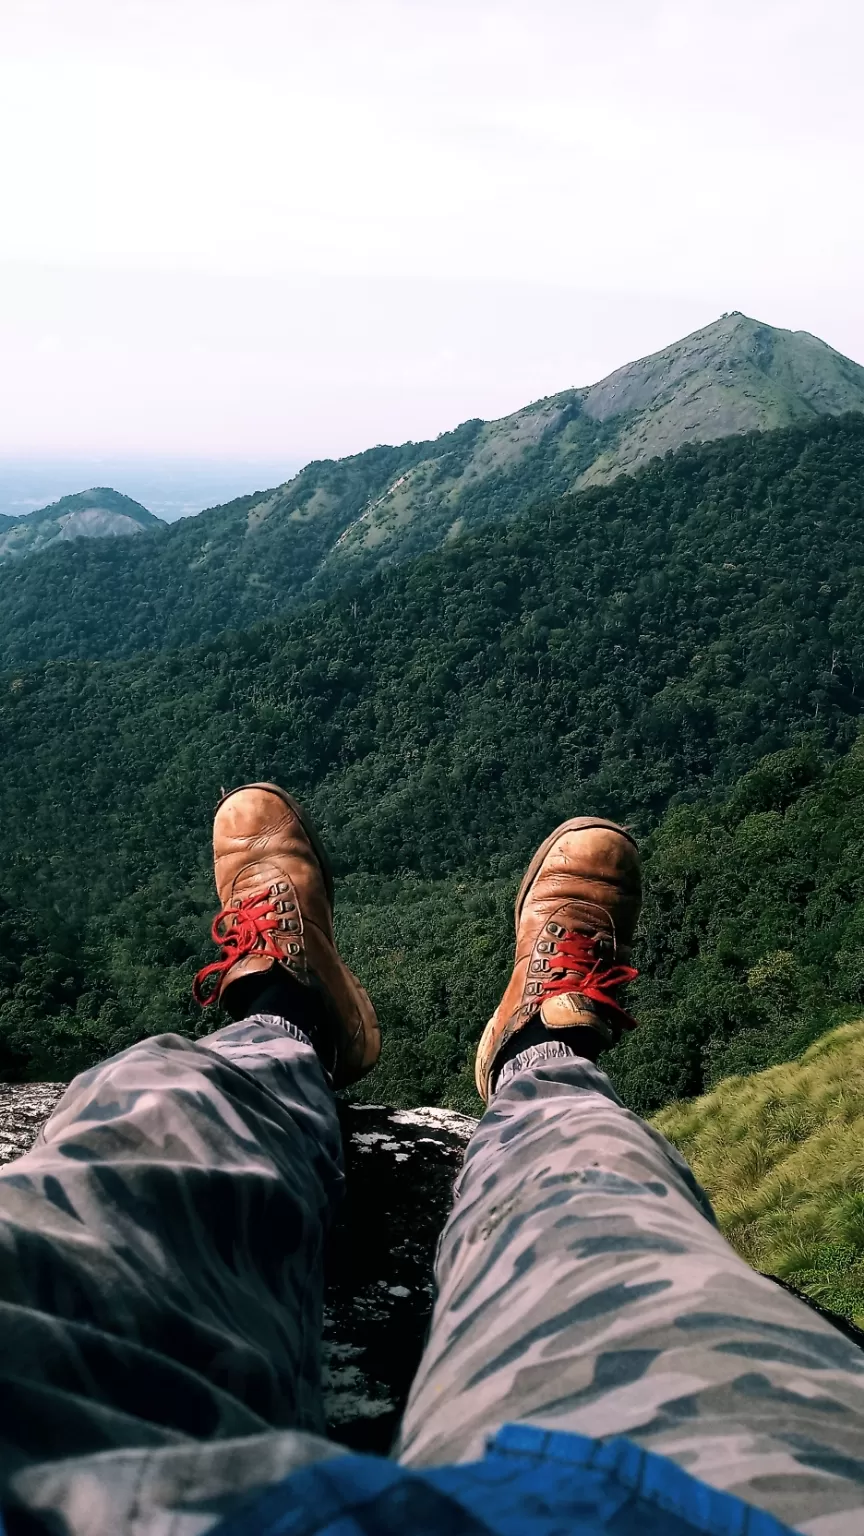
[
  {"x": 581, "y": 1040},
  {"x": 278, "y": 992}
]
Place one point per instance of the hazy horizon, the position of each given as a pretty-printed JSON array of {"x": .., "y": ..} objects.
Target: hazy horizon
[
  {"x": 170, "y": 487},
  {"x": 276, "y": 232}
]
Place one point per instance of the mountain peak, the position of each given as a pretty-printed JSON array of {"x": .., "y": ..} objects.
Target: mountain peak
[
  {"x": 734, "y": 375},
  {"x": 96, "y": 513}
]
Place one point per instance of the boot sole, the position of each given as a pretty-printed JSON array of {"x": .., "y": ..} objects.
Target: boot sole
[
  {"x": 575, "y": 824},
  {"x": 306, "y": 823}
]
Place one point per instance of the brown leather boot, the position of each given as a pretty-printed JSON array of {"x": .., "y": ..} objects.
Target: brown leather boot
[
  {"x": 576, "y": 913},
  {"x": 274, "y": 881}
]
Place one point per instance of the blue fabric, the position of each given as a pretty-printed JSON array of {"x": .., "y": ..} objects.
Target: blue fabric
[{"x": 531, "y": 1482}]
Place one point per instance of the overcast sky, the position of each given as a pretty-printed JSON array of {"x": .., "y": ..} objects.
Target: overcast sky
[{"x": 266, "y": 227}]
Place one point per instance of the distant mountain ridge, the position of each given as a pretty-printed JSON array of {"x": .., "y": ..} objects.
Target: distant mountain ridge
[
  {"x": 97, "y": 513},
  {"x": 736, "y": 375},
  {"x": 337, "y": 520}
]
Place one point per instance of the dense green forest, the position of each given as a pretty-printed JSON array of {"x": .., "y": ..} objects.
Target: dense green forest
[
  {"x": 635, "y": 650},
  {"x": 259, "y": 555},
  {"x": 751, "y": 944}
]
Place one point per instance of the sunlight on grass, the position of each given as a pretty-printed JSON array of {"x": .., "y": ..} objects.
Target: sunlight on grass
[{"x": 781, "y": 1154}]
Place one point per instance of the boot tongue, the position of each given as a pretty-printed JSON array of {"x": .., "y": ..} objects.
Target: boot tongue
[{"x": 570, "y": 1009}]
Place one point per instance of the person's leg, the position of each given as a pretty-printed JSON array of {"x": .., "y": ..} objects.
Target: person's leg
[
  {"x": 582, "y": 1282},
  {"x": 583, "y": 1285},
  {"x": 161, "y": 1249},
  {"x": 161, "y": 1244}
]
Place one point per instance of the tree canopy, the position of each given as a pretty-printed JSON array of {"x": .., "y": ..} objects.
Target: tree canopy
[{"x": 634, "y": 650}]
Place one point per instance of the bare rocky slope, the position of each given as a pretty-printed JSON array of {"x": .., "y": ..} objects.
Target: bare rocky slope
[
  {"x": 736, "y": 375},
  {"x": 95, "y": 514}
]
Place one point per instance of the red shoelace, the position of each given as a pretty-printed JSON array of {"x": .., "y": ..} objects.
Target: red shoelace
[
  {"x": 577, "y": 968},
  {"x": 249, "y": 927},
  {"x": 239, "y": 931}
]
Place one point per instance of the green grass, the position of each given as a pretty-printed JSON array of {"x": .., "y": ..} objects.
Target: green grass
[{"x": 781, "y": 1154}]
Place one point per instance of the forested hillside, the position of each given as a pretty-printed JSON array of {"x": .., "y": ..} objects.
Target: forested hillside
[
  {"x": 338, "y": 520},
  {"x": 633, "y": 650}
]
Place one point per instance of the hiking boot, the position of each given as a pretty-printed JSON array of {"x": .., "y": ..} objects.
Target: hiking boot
[
  {"x": 576, "y": 913},
  {"x": 275, "y": 884}
]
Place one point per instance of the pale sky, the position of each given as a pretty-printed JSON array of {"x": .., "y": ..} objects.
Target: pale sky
[{"x": 293, "y": 230}]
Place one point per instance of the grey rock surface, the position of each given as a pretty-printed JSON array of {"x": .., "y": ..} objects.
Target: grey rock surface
[
  {"x": 24, "y": 1108},
  {"x": 400, "y": 1167}
]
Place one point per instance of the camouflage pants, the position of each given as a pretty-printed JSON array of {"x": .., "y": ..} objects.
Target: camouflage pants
[{"x": 161, "y": 1295}]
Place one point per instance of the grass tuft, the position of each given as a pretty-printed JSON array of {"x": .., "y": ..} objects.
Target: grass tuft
[{"x": 781, "y": 1154}]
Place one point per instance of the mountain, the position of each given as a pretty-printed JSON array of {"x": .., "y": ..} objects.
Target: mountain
[
  {"x": 630, "y": 650},
  {"x": 734, "y": 376},
  {"x": 338, "y": 520},
  {"x": 96, "y": 514}
]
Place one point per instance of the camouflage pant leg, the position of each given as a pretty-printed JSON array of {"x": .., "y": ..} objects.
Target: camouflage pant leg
[
  {"x": 161, "y": 1255},
  {"x": 583, "y": 1285}
]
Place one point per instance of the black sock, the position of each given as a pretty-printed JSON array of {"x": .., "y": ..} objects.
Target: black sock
[
  {"x": 582, "y": 1040},
  {"x": 277, "y": 991}
]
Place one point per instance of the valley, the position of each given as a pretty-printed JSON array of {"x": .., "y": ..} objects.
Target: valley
[
  {"x": 633, "y": 649},
  {"x": 679, "y": 647}
]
